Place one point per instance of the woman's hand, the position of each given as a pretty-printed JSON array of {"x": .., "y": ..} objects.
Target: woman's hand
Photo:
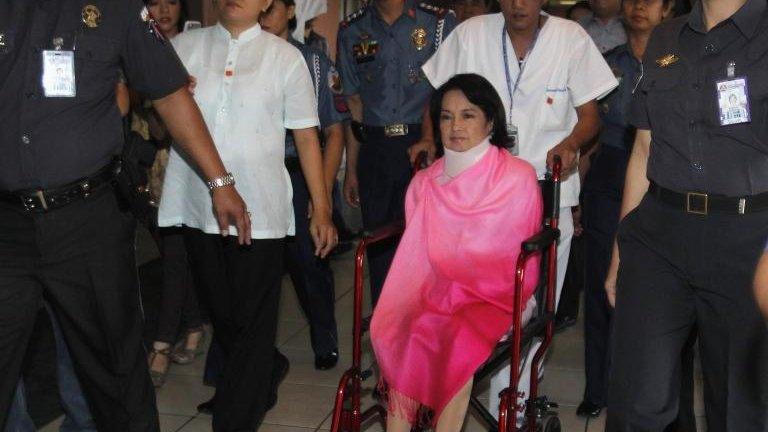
[{"x": 323, "y": 232}]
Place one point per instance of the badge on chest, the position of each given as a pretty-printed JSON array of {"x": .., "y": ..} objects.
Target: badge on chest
[
  {"x": 365, "y": 51},
  {"x": 733, "y": 98},
  {"x": 59, "y": 71}
]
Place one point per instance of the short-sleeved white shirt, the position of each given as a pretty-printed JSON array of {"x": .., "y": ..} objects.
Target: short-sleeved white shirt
[
  {"x": 249, "y": 90},
  {"x": 563, "y": 71}
]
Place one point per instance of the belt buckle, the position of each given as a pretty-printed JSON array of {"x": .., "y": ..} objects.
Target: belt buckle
[
  {"x": 394, "y": 130},
  {"x": 31, "y": 204},
  {"x": 697, "y": 203}
]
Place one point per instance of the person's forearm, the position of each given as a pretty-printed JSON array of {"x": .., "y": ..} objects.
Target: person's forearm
[
  {"x": 311, "y": 159},
  {"x": 636, "y": 182},
  {"x": 334, "y": 148},
  {"x": 355, "y": 105},
  {"x": 427, "y": 131},
  {"x": 185, "y": 123},
  {"x": 587, "y": 127}
]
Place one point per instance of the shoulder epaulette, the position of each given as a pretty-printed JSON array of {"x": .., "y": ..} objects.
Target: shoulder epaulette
[
  {"x": 434, "y": 10},
  {"x": 354, "y": 16}
]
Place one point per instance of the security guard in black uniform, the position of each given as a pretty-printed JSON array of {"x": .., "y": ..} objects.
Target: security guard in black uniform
[
  {"x": 63, "y": 233},
  {"x": 695, "y": 222},
  {"x": 381, "y": 49}
]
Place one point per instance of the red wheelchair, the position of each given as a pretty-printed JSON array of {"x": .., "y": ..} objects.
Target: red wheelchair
[{"x": 539, "y": 412}]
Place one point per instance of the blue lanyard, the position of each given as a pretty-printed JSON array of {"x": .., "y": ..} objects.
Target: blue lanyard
[{"x": 512, "y": 91}]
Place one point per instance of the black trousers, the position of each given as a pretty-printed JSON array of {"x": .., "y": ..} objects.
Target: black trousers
[
  {"x": 179, "y": 310},
  {"x": 241, "y": 286},
  {"x": 312, "y": 276},
  {"x": 384, "y": 172},
  {"x": 81, "y": 258},
  {"x": 679, "y": 270},
  {"x": 602, "y": 205}
]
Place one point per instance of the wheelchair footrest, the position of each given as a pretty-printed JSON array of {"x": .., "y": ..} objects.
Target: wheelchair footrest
[{"x": 540, "y": 407}]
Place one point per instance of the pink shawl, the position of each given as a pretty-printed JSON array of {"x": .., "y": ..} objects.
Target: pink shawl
[{"x": 448, "y": 297}]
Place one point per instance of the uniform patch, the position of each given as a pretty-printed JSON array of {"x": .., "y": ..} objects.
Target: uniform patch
[{"x": 91, "y": 16}]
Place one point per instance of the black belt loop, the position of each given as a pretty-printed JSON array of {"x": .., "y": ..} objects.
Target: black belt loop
[{"x": 703, "y": 204}]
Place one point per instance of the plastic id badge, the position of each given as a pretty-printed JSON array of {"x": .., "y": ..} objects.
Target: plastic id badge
[
  {"x": 59, "y": 73},
  {"x": 733, "y": 101}
]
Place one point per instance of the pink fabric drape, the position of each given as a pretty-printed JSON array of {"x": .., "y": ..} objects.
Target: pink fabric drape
[{"x": 448, "y": 297}]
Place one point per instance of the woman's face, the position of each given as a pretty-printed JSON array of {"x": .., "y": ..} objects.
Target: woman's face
[
  {"x": 463, "y": 125},
  {"x": 645, "y": 15},
  {"x": 167, "y": 14},
  {"x": 276, "y": 20},
  {"x": 241, "y": 13}
]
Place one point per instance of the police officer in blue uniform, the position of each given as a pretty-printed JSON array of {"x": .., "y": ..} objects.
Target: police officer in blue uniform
[
  {"x": 381, "y": 49},
  {"x": 602, "y": 192},
  {"x": 63, "y": 232},
  {"x": 312, "y": 277}
]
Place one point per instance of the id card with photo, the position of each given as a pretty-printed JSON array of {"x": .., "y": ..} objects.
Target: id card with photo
[
  {"x": 733, "y": 101},
  {"x": 59, "y": 73}
]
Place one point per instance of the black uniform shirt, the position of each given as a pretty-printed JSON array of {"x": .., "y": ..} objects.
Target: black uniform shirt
[
  {"x": 49, "y": 142},
  {"x": 677, "y": 100}
]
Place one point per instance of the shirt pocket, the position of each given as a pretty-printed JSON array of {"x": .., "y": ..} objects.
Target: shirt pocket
[
  {"x": 554, "y": 114},
  {"x": 96, "y": 60},
  {"x": 662, "y": 87}
]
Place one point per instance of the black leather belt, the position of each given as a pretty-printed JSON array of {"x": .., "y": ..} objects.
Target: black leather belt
[
  {"x": 393, "y": 130},
  {"x": 703, "y": 203},
  {"x": 40, "y": 201}
]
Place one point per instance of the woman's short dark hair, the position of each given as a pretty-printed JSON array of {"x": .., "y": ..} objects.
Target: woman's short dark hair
[
  {"x": 292, "y": 23},
  {"x": 183, "y": 14},
  {"x": 578, "y": 5},
  {"x": 479, "y": 92}
]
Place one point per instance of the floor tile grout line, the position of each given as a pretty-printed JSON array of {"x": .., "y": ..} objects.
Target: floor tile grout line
[{"x": 323, "y": 421}]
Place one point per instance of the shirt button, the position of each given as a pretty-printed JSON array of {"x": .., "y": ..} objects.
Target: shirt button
[
  {"x": 697, "y": 86},
  {"x": 25, "y": 139},
  {"x": 709, "y": 48},
  {"x": 698, "y": 166}
]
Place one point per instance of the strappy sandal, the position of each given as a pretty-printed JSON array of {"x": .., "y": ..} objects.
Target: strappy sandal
[
  {"x": 181, "y": 354},
  {"x": 158, "y": 377}
]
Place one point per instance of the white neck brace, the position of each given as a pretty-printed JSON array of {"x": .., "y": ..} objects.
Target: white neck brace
[{"x": 458, "y": 162}]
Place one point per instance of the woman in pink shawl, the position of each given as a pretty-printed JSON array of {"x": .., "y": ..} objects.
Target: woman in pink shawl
[{"x": 448, "y": 297}]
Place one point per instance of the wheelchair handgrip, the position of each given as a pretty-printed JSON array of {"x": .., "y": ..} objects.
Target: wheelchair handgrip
[
  {"x": 542, "y": 240},
  {"x": 384, "y": 232}
]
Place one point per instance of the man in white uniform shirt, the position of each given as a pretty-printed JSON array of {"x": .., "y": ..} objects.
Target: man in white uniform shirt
[
  {"x": 549, "y": 75},
  {"x": 251, "y": 87}
]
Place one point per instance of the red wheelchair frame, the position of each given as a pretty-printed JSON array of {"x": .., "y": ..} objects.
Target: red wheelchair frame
[{"x": 347, "y": 414}]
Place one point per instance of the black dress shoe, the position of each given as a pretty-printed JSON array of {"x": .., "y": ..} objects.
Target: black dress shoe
[
  {"x": 279, "y": 372},
  {"x": 327, "y": 361},
  {"x": 588, "y": 409},
  {"x": 206, "y": 407}
]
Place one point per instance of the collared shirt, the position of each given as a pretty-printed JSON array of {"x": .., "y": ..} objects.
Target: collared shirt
[
  {"x": 47, "y": 142},
  {"x": 326, "y": 83},
  {"x": 382, "y": 63},
  {"x": 606, "y": 36},
  {"x": 616, "y": 131},
  {"x": 249, "y": 89},
  {"x": 677, "y": 101},
  {"x": 563, "y": 71}
]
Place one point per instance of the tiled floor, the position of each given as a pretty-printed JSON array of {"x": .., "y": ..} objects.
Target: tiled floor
[{"x": 306, "y": 395}]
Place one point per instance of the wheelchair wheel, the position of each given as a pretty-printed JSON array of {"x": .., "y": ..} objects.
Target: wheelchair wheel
[{"x": 550, "y": 423}]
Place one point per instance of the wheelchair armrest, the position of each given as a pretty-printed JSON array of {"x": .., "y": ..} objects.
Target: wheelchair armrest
[
  {"x": 384, "y": 232},
  {"x": 542, "y": 240}
]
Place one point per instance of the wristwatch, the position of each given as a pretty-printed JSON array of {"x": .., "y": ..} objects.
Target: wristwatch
[{"x": 221, "y": 181}]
